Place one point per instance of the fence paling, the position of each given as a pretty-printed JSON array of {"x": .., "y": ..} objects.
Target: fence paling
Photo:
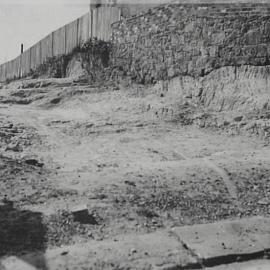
[
  {"x": 46, "y": 48},
  {"x": 59, "y": 41},
  {"x": 71, "y": 36},
  {"x": 16, "y": 67},
  {"x": 82, "y": 29},
  {"x": 35, "y": 52},
  {"x": 3, "y": 72},
  {"x": 25, "y": 66}
]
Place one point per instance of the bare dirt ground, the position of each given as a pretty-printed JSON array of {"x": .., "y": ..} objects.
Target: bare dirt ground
[{"x": 125, "y": 155}]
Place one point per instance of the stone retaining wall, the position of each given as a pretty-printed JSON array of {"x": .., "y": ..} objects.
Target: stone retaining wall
[{"x": 191, "y": 39}]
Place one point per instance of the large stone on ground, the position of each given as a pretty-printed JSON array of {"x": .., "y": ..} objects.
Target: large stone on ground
[
  {"x": 250, "y": 265},
  {"x": 220, "y": 245},
  {"x": 227, "y": 241},
  {"x": 15, "y": 263},
  {"x": 158, "y": 250}
]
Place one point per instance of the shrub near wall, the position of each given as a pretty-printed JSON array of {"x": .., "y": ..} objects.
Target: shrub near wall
[
  {"x": 187, "y": 39},
  {"x": 94, "y": 56}
]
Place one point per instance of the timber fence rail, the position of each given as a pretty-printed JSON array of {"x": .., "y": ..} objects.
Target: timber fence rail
[{"x": 95, "y": 24}]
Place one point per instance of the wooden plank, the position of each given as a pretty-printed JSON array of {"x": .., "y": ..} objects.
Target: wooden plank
[
  {"x": 2, "y": 73},
  {"x": 83, "y": 31},
  {"x": 16, "y": 67},
  {"x": 90, "y": 24},
  {"x": 25, "y": 58},
  {"x": 59, "y": 41},
  {"x": 35, "y": 55},
  {"x": 46, "y": 48},
  {"x": 71, "y": 36},
  {"x": 95, "y": 22}
]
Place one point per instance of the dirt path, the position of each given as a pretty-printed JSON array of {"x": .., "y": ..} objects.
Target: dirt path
[{"x": 134, "y": 172}]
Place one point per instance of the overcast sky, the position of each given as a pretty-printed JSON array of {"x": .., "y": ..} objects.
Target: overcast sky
[{"x": 28, "y": 21}]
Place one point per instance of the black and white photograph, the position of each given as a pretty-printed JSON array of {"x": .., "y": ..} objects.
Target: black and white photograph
[{"x": 134, "y": 134}]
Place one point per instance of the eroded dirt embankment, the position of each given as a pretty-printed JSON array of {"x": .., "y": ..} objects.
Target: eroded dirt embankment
[
  {"x": 128, "y": 155},
  {"x": 234, "y": 99}
]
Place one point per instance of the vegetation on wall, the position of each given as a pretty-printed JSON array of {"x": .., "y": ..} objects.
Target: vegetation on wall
[{"x": 95, "y": 54}]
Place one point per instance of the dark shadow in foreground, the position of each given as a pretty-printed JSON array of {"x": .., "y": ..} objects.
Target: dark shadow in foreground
[{"x": 21, "y": 232}]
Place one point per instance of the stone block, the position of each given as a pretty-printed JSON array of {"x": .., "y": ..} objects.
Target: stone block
[
  {"x": 81, "y": 214},
  {"x": 230, "y": 238}
]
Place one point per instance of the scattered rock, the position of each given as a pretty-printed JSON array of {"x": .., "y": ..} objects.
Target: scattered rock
[
  {"x": 55, "y": 100},
  {"x": 149, "y": 213},
  {"x": 238, "y": 118},
  {"x": 131, "y": 183},
  {"x": 7, "y": 203},
  {"x": 14, "y": 146},
  {"x": 14, "y": 130},
  {"x": 64, "y": 253},
  {"x": 34, "y": 162},
  {"x": 264, "y": 201},
  {"x": 7, "y": 125},
  {"x": 81, "y": 214},
  {"x": 188, "y": 96}
]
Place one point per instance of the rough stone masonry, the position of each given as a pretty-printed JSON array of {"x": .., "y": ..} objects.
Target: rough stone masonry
[{"x": 191, "y": 39}]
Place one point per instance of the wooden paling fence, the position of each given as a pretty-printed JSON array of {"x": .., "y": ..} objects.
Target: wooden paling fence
[{"x": 95, "y": 24}]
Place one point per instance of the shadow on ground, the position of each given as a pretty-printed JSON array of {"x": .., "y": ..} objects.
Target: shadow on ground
[{"x": 21, "y": 232}]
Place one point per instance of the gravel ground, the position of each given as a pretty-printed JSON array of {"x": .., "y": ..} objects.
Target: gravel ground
[{"x": 132, "y": 169}]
